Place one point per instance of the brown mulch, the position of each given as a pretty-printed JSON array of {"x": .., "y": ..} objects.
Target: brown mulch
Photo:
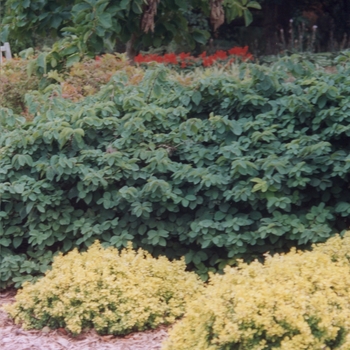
[{"x": 12, "y": 337}]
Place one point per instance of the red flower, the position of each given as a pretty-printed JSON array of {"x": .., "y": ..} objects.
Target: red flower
[
  {"x": 208, "y": 61},
  {"x": 183, "y": 55},
  {"x": 238, "y": 51},
  {"x": 139, "y": 59},
  {"x": 170, "y": 58},
  {"x": 241, "y": 52},
  {"x": 222, "y": 55}
]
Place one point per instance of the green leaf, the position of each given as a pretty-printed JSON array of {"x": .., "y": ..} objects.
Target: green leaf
[
  {"x": 29, "y": 207},
  {"x": 322, "y": 101},
  {"x": 136, "y": 7},
  {"x": 67, "y": 244},
  {"x": 219, "y": 215},
  {"x": 5, "y": 242},
  {"x": 157, "y": 90},
  {"x": 254, "y": 4},
  {"x": 201, "y": 36},
  {"x": 31, "y": 67},
  {"x": 19, "y": 188},
  {"x": 41, "y": 61},
  {"x": 196, "y": 97},
  {"x": 261, "y": 185},
  {"x": 72, "y": 59},
  {"x": 105, "y": 20},
  {"x": 206, "y": 223},
  {"x": 248, "y": 17},
  {"x": 50, "y": 173},
  {"x": 237, "y": 128},
  {"x": 17, "y": 241}
]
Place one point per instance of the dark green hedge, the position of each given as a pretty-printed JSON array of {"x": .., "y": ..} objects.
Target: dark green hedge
[{"x": 227, "y": 166}]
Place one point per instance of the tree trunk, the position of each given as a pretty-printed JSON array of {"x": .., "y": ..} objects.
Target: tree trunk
[{"x": 130, "y": 49}]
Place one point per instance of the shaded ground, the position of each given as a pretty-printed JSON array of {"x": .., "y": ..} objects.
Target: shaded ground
[{"x": 12, "y": 337}]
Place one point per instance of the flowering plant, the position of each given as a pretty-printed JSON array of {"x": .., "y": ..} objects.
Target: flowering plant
[{"x": 186, "y": 60}]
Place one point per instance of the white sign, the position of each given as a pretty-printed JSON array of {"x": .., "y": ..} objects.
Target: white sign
[{"x": 7, "y": 50}]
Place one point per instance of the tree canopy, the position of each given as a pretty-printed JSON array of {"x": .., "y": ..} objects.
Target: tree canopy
[{"x": 102, "y": 23}]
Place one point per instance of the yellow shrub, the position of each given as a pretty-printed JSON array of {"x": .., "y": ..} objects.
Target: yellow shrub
[
  {"x": 113, "y": 292},
  {"x": 337, "y": 248},
  {"x": 85, "y": 78},
  {"x": 15, "y": 83},
  {"x": 293, "y": 302}
]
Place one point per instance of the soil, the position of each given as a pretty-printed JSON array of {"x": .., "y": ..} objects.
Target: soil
[{"x": 12, "y": 337}]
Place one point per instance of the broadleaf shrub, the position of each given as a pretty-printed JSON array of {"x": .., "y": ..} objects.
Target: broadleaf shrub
[
  {"x": 113, "y": 292},
  {"x": 223, "y": 166},
  {"x": 295, "y": 301}
]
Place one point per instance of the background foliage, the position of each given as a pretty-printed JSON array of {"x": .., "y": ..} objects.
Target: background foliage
[
  {"x": 96, "y": 26},
  {"x": 212, "y": 166}
]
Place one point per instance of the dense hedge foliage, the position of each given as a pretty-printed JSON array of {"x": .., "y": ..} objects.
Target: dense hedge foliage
[
  {"x": 113, "y": 292},
  {"x": 293, "y": 301},
  {"x": 211, "y": 166}
]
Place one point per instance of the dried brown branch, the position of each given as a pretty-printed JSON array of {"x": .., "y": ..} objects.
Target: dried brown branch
[
  {"x": 147, "y": 20},
  {"x": 217, "y": 14}
]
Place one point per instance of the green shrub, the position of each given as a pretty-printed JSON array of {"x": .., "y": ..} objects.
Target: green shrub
[
  {"x": 224, "y": 166},
  {"x": 293, "y": 301},
  {"x": 115, "y": 293}
]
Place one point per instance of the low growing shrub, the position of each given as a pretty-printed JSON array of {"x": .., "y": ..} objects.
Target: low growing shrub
[
  {"x": 115, "y": 293},
  {"x": 294, "y": 301},
  {"x": 87, "y": 77},
  {"x": 79, "y": 80},
  {"x": 15, "y": 83}
]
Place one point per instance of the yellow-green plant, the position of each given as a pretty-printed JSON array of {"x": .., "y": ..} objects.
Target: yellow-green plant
[
  {"x": 113, "y": 292},
  {"x": 337, "y": 248},
  {"x": 293, "y": 301},
  {"x": 15, "y": 83},
  {"x": 87, "y": 77}
]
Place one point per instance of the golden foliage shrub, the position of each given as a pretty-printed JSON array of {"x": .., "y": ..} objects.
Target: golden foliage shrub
[
  {"x": 297, "y": 301},
  {"x": 82, "y": 79},
  {"x": 15, "y": 83},
  {"x": 337, "y": 248},
  {"x": 85, "y": 78},
  {"x": 116, "y": 293}
]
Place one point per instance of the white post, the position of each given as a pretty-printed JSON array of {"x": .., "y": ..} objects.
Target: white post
[{"x": 7, "y": 49}]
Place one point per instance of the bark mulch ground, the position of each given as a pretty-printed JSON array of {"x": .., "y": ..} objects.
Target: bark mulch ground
[{"x": 12, "y": 337}]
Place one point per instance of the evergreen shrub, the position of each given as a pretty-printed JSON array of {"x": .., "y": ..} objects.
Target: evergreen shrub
[
  {"x": 226, "y": 165},
  {"x": 115, "y": 293},
  {"x": 293, "y": 301}
]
